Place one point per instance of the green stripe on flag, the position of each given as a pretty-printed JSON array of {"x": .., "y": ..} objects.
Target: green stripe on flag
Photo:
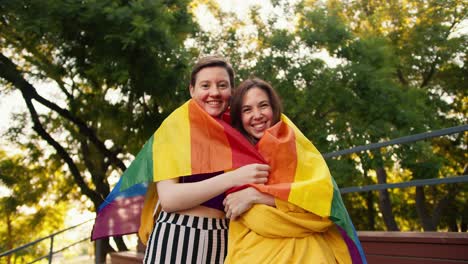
[
  {"x": 141, "y": 169},
  {"x": 339, "y": 215}
]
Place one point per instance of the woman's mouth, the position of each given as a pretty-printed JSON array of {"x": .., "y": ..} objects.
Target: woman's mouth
[
  {"x": 214, "y": 103},
  {"x": 259, "y": 126}
]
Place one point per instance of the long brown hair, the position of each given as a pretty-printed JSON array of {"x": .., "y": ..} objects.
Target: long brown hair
[{"x": 238, "y": 97}]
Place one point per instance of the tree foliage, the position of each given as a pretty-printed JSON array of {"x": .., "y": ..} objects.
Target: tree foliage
[
  {"x": 350, "y": 73},
  {"x": 35, "y": 206},
  {"x": 388, "y": 81},
  {"x": 116, "y": 67}
]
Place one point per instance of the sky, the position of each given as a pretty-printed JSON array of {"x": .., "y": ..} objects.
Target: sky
[{"x": 8, "y": 104}]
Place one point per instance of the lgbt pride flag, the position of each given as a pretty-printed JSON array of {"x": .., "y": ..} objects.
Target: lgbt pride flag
[
  {"x": 190, "y": 142},
  {"x": 300, "y": 175}
]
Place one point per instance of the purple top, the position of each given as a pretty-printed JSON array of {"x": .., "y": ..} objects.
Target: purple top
[{"x": 215, "y": 202}]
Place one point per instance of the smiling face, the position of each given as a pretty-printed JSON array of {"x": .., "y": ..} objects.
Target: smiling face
[
  {"x": 256, "y": 112},
  {"x": 212, "y": 90}
]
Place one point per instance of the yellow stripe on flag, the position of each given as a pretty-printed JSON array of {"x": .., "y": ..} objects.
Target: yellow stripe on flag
[
  {"x": 312, "y": 188},
  {"x": 165, "y": 164}
]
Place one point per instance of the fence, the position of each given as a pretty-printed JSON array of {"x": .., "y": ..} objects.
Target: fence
[
  {"x": 399, "y": 141},
  {"x": 49, "y": 256}
]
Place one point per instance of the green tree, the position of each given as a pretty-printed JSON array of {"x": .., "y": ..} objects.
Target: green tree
[
  {"x": 384, "y": 84},
  {"x": 119, "y": 69},
  {"x": 429, "y": 56},
  {"x": 35, "y": 207}
]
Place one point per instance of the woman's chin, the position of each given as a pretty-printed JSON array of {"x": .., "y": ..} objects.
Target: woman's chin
[{"x": 214, "y": 112}]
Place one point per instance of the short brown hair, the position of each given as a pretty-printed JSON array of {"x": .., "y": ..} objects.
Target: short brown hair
[
  {"x": 238, "y": 97},
  {"x": 212, "y": 61}
]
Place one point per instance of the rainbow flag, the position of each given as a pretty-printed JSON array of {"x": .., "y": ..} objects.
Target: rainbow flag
[
  {"x": 190, "y": 142},
  {"x": 120, "y": 213},
  {"x": 300, "y": 175}
]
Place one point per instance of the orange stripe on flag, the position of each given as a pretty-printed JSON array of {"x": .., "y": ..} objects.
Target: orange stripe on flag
[
  {"x": 210, "y": 147},
  {"x": 278, "y": 147}
]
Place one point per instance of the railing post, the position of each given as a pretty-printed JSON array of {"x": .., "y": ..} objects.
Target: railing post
[
  {"x": 51, "y": 252},
  {"x": 99, "y": 253}
]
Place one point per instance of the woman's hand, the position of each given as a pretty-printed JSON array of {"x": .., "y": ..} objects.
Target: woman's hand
[
  {"x": 239, "y": 202},
  {"x": 252, "y": 173}
]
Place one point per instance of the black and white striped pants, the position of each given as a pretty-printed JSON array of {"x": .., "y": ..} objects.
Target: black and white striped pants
[{"x": 178, "y": 238}]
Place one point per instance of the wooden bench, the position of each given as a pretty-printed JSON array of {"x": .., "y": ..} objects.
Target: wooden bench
[
  {"x": 385, "y": 247},
  {"x": 414, "y": 247}
]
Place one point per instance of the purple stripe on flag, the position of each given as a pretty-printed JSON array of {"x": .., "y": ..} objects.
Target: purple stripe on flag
[
  {"x": 116, "y": 193},
  {"x": 352, "y": 248},
  {"x": 120, "y": 217}
]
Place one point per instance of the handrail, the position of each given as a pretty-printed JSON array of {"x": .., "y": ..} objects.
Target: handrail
[
  {"x": 414, "y": 183},
  {"x": 401, "y": 140},
  {"x": 51, "y": 249},
  {"x": 60, "y": 250}
]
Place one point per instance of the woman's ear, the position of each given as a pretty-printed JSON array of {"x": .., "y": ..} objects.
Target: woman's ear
[{"x": 191, "y": 89}]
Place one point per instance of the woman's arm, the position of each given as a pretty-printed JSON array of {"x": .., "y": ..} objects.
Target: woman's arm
[
  {"x": 237, "y": 203},
  {"x": 176, "y": 196}
]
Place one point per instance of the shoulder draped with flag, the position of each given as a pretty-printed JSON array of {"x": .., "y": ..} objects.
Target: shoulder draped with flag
[
  {"x": 191, "y": 142},
  {"x": 309, "y": 210}
]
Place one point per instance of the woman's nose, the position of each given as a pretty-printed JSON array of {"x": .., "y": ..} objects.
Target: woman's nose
[
  {"x": 214, "y": 91},
  {"x": 257, "y": 113}
]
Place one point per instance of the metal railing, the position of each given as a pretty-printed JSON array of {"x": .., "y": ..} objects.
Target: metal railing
[
  {"x": 399, "y": 141},
  {"x": 49, "y": 256},
  {"x": 414, "y": 183}
]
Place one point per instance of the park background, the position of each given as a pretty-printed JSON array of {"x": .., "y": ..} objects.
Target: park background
[{"x": 83, "y": 84}]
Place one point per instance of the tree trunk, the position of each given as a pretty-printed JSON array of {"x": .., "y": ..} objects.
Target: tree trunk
[
  {"x": 9, "y": 236},
  {"x": 452, "y": 224},
  {"x": 446, "y": 206},
  {"x": 464, "y": 223},
  {"x": 423, "y": 213},
  {"x": 464, "y": 215},
  {"x": 385, "y": 203},
  {"x": 370, "y": 210},
  {"x": 370, "y": 204}
]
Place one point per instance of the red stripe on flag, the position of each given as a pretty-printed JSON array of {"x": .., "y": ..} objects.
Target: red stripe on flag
[
  {"x": 210, "y": 151},
  {"x": 243, "y": 152}
]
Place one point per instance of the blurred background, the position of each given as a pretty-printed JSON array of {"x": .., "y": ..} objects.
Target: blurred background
[{"x": 83, "y": 84}]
